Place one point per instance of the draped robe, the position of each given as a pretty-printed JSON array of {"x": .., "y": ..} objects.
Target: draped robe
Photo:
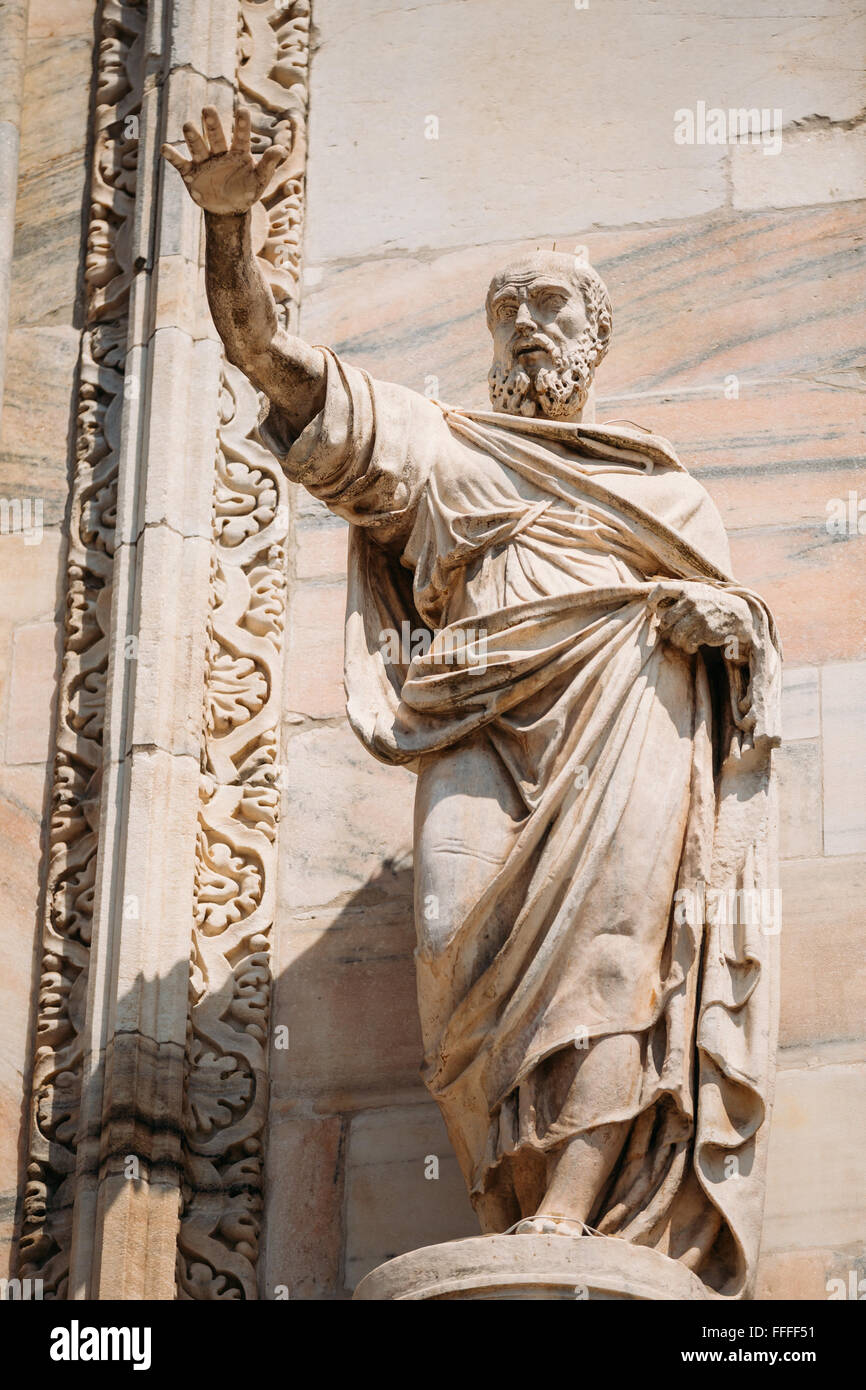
[{"x": 578, "y": 778}]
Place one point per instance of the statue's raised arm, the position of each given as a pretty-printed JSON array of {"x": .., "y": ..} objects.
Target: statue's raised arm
[{"x": 225, "y": 181}]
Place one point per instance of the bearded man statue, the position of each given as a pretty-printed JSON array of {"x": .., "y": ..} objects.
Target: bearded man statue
[{"x": 591, "y": 722}]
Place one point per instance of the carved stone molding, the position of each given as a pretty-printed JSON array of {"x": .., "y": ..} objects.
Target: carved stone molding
[
  {"x": 227, "y": 1050},
  {"x": 150, "y": 1061},
  {"x": 273, "y": 80},
  {"x": 236, "y": 856},
  {"x": 78, "y": 763}
]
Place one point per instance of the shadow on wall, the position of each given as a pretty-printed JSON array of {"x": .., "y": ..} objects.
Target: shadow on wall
[{"x": 360, "y": 1167}]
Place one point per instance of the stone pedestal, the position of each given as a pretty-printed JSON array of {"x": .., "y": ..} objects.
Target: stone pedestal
[{"x": 532, "y": 1267}]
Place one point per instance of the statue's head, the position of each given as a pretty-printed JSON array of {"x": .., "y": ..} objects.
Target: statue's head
[{"x": 550, "y": 318}]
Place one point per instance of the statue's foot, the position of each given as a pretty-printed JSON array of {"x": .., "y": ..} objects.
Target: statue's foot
[{"x": 542, "y": 1225}]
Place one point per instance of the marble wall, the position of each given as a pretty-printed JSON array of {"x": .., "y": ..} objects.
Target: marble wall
[{"x": 735, "y": 280}]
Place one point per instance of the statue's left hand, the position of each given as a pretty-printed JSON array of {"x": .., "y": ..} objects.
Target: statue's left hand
[{"x": 692, "y": 615}]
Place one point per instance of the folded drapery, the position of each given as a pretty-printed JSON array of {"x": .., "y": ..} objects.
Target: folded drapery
[{"x": 578, "y": 778}]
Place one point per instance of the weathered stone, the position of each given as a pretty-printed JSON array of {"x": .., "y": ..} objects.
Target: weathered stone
[
  {"x": 455, "y": 65},
  {"x": 843, "y": 700},
  {"x": 321, "y": 552},
  {"x": 34, "y": 444},
  {"x": 496, "y": 1269},
  {"x": 305, "y": 1236},
  {"x": 345, "y": 995},
  {"x": 314, "y": 667},
  {"x": 358, "y": 833},
  {"x": 22, "y": 811},
  {"x": 804, "y": 1274},
  {"x": 801, "y": 717},
  {"x": 404, "y": 1187},
  {"x": 819, "y": 164},
  {"x": 816, "y": 1171},
  {"x": 53, "y": 167},
  {"x": 819, "y": 605},
  {"x": 31, "y": 693},
  {"x": 29, "y": 588},
  {"x": 757, "y": 296},
  {"x": 799, "y": 768},
  {"x": 823, "y": 967}
]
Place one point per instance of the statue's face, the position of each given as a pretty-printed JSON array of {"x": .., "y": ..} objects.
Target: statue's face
[{"x": 545, "y": 344}]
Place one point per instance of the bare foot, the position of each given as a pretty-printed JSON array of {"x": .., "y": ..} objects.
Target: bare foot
[
  {"x": 576, "y": 1172},
  {"x": 541, "y": 1225}
]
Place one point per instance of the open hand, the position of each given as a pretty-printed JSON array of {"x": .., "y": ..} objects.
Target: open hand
[
  {"x": 693, "y": 615},
  {"x": 223, "y": 180}
]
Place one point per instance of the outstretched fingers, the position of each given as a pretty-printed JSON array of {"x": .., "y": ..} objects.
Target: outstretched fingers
[
  {"x": 176, "y": 159},
  {"x": 213, "y": 130},
  {"x": 266, "y": 166},
  {"x": 241, "y": 135},
  {"x": 197, "y": 147}
]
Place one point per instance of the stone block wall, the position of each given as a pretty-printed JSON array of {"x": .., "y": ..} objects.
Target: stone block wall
[{"x": 736, "y": 281}]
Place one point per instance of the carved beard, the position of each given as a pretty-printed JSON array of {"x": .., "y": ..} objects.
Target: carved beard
[{"x": 557, "y": 392}]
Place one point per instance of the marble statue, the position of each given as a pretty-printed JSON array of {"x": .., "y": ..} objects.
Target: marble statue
[{"x": 590, "y": 703}]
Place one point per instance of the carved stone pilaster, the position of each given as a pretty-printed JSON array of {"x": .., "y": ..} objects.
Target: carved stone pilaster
[
  {"x": 78, "y": 763},
  {"x": 150, "y": 1063},
  {"x": 236, "y": 857}
]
